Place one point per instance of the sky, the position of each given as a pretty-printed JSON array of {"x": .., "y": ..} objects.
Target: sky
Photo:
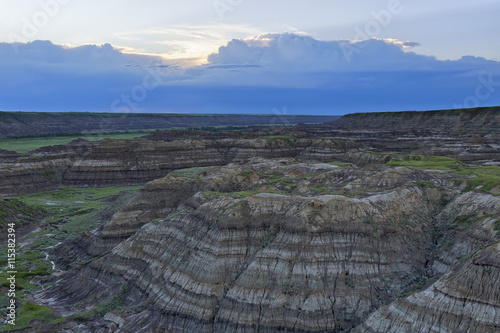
[{"x": 248, "y": 56}]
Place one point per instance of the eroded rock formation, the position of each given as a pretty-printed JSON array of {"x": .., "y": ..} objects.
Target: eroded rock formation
[
  {"x": 283, "y": 229},
  {"x": 469, "y": 135},
  {"x": 135, "y": 162},
  {"x": 265, "y": 246},
  {"x": 466, "y": 299}
]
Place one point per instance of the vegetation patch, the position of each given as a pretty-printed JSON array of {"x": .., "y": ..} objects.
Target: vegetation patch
[
  {"x": 270, "y": 236},
  {"x": 105, "y": 306},
  {"x": 496, "y": 227},
  {"x": 189, "y": 172},
  {"x": 29, "y": 312},
  {"x": 15, "y": 211},
  {"x": 247, "y": 173},
  {"x": 420, "y": 285},
  {"x": 62, "y": 214},
  {"x": 484, "y": 178},
  {"x": 344, "y": 165},
  {"x": 24, "y": 145},
  {"x": 426, "y": 162},
  {"x": 73, "y": 211},
  {"x": 29, "y": 264},
  {"x": 424, "y": 184},
  {"x": 468, "y": 219}
]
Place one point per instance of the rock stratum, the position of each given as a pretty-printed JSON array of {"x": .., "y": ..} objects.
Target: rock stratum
[
  {"x": 265, "y": 246},
  {"x": 276, "y": 230},
  {"x": 469, "y": 135}
]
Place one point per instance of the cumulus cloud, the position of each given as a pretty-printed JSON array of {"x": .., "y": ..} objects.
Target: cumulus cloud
[
  {"x": 258, "y": 74},
  {"x": 293, "y": 52},
  {"x": 90, "y": 57}
]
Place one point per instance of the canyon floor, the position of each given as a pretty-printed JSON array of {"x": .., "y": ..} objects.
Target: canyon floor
[{"x": 383, "y": 222}]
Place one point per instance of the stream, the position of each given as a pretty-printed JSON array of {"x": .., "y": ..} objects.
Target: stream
[{"x": 47, "y": 257}]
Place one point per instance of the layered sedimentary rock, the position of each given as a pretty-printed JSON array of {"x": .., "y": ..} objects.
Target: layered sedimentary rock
[
  {"x": 464, "y": 226},
  {"x": 39, "y": 170},
  {"x": 133, "y": 162},
  {"x": 24, "y": 217},
  {"x": 31, "y": 176},
  {"x": 242, "y": 243},
  {"x": 467, "y": 299},
  {"x": 264, "y": 246},
  {"x": 463, "y": 121},
  {"x": 469, "y": 135}
]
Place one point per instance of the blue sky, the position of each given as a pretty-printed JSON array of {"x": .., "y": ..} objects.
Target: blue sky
[{"x": 248, "y": 56}]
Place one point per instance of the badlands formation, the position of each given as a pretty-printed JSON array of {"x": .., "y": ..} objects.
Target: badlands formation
[{"x": 348, "y": 226}]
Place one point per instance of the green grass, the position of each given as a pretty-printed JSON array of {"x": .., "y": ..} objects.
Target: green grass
[
  {"x": 343, "y": 165},
  {"x": 269, "y": 237},
  {"x": 72, "y": 212},
  {"x": 65, "y": 197},
  {"x": 487, "y": 177},
  {"x": 24, "y": 145},
  {"x": 16, "y": 211},
  {"x": 247, "y": 173},
  {"x": 29, "y": 264},
  {"x": 424, "y": 184},
  {"x": 189, "y": 172},
  {"x": 420, "y": 285},
  {"x": 29, "y": 312},
  {"x": 426, "y": 162},
  {"x": 484, "y": 178},
  {"x": 496, "y": 227},
  {"x": 105, "y": 306}
]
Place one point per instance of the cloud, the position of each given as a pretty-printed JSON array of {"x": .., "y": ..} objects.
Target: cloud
[
  {"x": 291, "y": 52},
  {"x": 252, "y": 75},
  {"x": 186, "y": 44}
]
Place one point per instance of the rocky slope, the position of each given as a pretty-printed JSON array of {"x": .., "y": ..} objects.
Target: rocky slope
[
  {"x": 463, "y": 300},
  {"x": 467, "y": 135},
  {"x": 278, "y": 230},
  {"x": 465, "y": 121},
  {"x": 470, "y": 135},
  {"x": 137, "y": 161},
  {"x": 23, "y": 216},
  {"x": 467, "y": 297},
  {"x": 274, "y": 246}
]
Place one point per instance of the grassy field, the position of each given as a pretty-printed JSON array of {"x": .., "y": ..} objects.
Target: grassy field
[
  {"x": 426, "y": 162},
  {"x": 24, "y": 145},
  {"x": 72, "y": 212},
  {"x": 484, "y": 178}
]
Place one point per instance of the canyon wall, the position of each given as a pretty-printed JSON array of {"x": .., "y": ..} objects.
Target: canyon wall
[
  {"x": 265, "y": 246},
  {"x": 286, "y": 229}
]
